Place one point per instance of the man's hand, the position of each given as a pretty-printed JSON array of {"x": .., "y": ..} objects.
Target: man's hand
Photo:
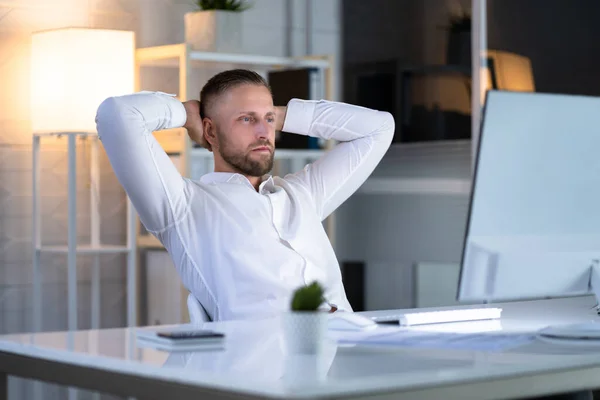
[
  {"x": 193, "y": 123},
  {"x": 280, "y": 113}
]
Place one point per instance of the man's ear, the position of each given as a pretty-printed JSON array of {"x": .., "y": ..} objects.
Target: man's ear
[{"x": 210, "y": 132}]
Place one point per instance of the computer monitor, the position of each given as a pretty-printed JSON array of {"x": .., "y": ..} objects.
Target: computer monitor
[{"x": 533, "y": 229}]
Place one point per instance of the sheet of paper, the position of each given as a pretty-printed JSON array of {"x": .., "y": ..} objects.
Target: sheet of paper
[{"x": 484, "y": 341}]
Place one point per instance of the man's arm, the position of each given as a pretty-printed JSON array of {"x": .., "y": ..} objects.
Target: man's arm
[
  {"x": 125, "y": 125},
  {"x": 365, "y": 136}
]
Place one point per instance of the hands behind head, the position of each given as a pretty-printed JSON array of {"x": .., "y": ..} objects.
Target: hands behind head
[{"x": 193, "y": 123}]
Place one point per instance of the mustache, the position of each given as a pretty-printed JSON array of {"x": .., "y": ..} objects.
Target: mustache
[{"x": 261, "y": 143}]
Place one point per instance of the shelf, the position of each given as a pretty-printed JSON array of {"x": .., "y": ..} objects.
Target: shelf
[
  {"x": 280, "y": 154},
  {"x": 169, "y": 55},
  {"x": 102, "y": 249},
  {"x": 149, "y": 241},
  {"x": 432, "y": 186},
  {"x": 59, "y": 134},
  {"x": 256, "y": 60}
]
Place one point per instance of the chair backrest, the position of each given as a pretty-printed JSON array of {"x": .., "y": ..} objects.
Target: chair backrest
[
  {"x": 197, "y": 313},
  {"x": 509, "y": 71}
]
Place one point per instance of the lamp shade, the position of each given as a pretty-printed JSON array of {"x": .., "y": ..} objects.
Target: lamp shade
[{"x": 72, "y": 71}]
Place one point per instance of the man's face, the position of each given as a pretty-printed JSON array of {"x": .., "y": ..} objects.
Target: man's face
[{"x": 245, "y": 129}]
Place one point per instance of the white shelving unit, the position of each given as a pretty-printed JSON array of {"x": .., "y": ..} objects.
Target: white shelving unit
[
  {"x": 72, "y": 249},
  {"x": 192, "y": 161}
]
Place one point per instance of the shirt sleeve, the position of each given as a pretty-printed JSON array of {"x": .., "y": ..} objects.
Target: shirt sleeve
[
  {"x": 149, "y": 177},
  {"x": 364, "y": 135}
]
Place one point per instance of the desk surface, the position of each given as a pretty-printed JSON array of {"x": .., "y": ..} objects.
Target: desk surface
[{"x": 254, "y": 363}]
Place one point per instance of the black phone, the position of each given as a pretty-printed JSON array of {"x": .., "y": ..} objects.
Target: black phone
[
  {"x": 388, "y": 322},
  {"x": 190, "y": 334}
]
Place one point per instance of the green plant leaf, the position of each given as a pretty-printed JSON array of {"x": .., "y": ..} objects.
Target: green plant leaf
[{"x": 308, "y": 298}]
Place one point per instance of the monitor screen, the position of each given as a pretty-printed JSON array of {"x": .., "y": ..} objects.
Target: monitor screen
[{"x": 533, "y": 229}]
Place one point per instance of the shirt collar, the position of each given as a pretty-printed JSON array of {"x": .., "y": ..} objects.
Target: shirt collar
[{"x": 267, "y": 182}]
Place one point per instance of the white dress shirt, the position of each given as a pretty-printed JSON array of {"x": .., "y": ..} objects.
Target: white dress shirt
[{"x": 240, "y": 252}]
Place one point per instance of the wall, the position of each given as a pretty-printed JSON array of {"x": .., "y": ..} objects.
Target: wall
[{"x": 268, "y": 30}]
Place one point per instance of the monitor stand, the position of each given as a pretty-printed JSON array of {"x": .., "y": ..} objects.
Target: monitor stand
[{"x": 582, "y": 332}]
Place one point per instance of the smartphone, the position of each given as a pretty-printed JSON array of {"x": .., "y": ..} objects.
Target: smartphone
[
  {"x": 388, "y": 322},
  {"x": 190, "y": 334}
]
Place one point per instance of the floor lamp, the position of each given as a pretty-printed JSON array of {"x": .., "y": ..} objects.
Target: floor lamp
[{"x": 72, "y": 71}]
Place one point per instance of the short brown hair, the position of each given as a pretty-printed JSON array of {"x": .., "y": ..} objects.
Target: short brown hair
[{"x": 226, "y": 80}]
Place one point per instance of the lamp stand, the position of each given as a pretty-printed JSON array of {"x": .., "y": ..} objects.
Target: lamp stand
[{"x": 95, "y": 248}]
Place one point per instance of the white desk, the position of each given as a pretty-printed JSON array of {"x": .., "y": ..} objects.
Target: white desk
[{"x": 253, "y": 365}]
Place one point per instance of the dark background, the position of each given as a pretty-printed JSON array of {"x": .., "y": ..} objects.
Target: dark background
[{"x": 384, "y": 38}]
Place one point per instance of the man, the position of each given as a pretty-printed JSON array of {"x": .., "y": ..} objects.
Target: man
[{"x": 242, "y": 241}]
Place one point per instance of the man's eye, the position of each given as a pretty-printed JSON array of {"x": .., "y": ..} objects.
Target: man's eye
[
  {"x": 270, "y": 119},
  {"x": 246, "y": 119}
]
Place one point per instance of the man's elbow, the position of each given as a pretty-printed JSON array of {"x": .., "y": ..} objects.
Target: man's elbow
[
  {"x": 387, "y": 127},
  {"x": 111, "y": 111},
  {"x": 107, "y": 111}
]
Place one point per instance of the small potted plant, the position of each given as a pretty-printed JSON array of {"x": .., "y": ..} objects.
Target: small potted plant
[
  {"x": 216, "y": 25},
  {"x": 305, "y": 326}
]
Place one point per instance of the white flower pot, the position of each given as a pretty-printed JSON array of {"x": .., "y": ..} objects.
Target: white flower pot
[
  {"x": 304, "y": 331},
  {"x": 214, "y": 30}
]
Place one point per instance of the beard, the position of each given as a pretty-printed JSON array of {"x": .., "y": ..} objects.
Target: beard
[{"x": 243, "y": 162}]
